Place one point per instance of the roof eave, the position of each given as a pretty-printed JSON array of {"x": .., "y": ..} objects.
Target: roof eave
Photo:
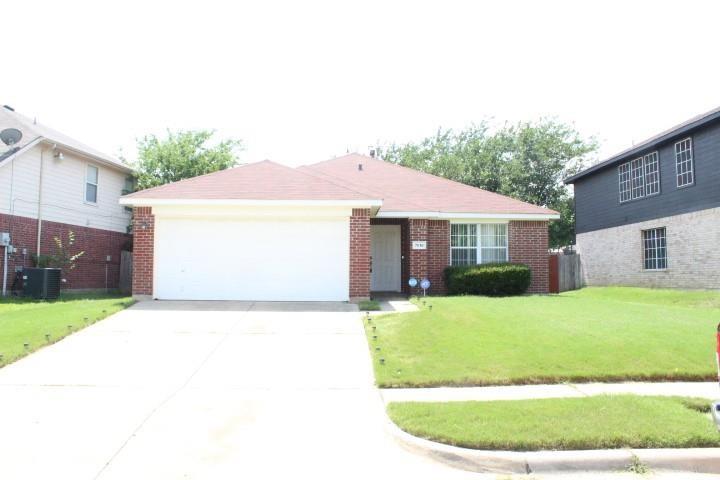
[{"x": 644, "y": 146}]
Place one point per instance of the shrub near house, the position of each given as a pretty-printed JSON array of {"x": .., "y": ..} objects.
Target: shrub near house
[{"x": 489, "y": 279}]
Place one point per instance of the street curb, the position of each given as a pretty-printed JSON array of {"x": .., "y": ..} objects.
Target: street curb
[{"x": 697, "y": 460}]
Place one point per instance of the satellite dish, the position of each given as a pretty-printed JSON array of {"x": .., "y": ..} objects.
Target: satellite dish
[{"x": 10, "y": 136}]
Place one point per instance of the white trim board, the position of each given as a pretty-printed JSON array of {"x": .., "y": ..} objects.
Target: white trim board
[
  {"x": 149, "y": 202},
  {"x": 464, "y": 216}
]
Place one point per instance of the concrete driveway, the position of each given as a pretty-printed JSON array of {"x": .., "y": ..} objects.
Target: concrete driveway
[{"x": 170, "y": 390}]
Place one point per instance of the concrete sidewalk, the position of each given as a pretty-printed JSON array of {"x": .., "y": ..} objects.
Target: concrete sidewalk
[{"x": 707, "y": 390}]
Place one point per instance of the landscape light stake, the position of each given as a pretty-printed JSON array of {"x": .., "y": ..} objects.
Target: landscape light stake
[
  {"x": 374, "y": 337},
  {"x": 26, "y": 345},
  {"x": 69, "y": 328},
  {"x": 382, "y": 361},
  {"x": 377, "y": 349},
  {"x": 1, "y": 357},
  {"x": 430, "y": 307},
  {"x": 47, "y": 337},
  {"x": 374, "y": 328}
]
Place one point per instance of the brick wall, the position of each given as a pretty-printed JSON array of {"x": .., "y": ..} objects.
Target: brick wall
[
  {"x": 90, "y": 270},
  {"x": 431, "y": 262},
  {"x": 614, "y": 256},
  {"x": 438, "y": 253},
  {"x": 528, "y": 244},
  {"x": 143, "y": 251},
  {"x": 360, "y": 253}
]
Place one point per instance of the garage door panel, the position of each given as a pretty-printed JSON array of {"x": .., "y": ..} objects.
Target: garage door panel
[{"x": 252, "y": 259}]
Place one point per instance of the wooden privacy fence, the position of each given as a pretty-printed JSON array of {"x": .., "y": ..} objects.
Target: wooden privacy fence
[
  {"x": 565, "y": 272},
  {"x": 125, "y": 284}
]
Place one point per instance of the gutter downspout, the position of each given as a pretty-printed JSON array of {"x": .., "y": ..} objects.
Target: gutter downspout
[{"x": 39, "y": 213}]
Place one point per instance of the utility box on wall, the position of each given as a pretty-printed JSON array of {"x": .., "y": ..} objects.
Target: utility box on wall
[{"x": 4, "y": 239}]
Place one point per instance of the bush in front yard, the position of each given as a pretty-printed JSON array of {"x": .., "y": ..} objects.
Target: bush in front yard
[{"x": 488, "y": 279}]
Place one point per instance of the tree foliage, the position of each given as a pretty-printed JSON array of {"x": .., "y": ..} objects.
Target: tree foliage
[
  {"x": 182, "y": 154},
  {"x": 527, "y": 161}
]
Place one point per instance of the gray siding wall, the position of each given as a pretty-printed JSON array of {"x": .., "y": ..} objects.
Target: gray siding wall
[{"x": 597, "y": 203}]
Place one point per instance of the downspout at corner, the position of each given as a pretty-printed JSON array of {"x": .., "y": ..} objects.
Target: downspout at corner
[{"x": 39, "y": 213}]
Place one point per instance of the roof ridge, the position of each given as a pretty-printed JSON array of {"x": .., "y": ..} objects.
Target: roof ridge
[
  {"x": 324, "y": 178},
  {"x": 325, "y": 175}
]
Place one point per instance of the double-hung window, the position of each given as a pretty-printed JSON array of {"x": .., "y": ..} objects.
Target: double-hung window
[
  {"x": 639, "y": 178},
  {"x": 684, "y": 163},
  {"x": 474, "y": 243},
  {"x": 91, "y": 184},
  {"x": 654, "y": 249}
]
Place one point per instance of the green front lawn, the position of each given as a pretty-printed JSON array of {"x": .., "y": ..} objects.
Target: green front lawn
[
  {"x": 623, "y": 421},
  {"x": 593, "y": 334},
  {"x": 28, "y": 321}
]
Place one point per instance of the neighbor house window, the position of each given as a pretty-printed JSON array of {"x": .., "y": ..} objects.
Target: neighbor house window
[
  {"x": 624, "y": 177},
  {"x": 639, "y": 177},
  {"x": 652, "y": 174},
  {"x": 684, "y": 163},
  {"x": 473, "y": 243},
  {"x": 654, "y": 249},
  {"x": 91, "y": 184}
]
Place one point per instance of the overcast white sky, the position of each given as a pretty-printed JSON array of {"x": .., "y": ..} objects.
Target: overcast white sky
[{"x": 302, "y": 81}]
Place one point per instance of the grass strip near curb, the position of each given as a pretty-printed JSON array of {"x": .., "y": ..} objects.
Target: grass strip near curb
[
  {"x": 600, "y": 422},
  {"x": 40, "y": 323},
  {"x": 607, "y": 334}
]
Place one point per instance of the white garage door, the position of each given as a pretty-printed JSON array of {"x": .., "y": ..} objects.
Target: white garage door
[{"x": 301, "y": 260}]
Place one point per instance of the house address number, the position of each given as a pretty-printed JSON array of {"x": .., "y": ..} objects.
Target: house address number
[{"x": 419, "y": 245}]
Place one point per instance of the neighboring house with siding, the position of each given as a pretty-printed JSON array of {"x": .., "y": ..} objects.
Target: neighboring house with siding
[
  {"x": 650, "y": 216},
  {"x": 51, "y": 184}
]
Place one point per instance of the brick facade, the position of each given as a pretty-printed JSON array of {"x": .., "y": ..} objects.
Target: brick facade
[
  {"x": 528, "y": 244},
  {"x": 91, "y": 268},
  {"x": 614, "y": 256},
  {"x": 360, "y": 253},
  {"x": 431, "y": 262},
  {"x": 143, "y": 251}
]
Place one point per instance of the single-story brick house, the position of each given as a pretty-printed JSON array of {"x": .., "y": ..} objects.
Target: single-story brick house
[{"x": 336, "y": 230}]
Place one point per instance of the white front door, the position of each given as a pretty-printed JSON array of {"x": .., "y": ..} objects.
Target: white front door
[{"x": 385, "y": 250}]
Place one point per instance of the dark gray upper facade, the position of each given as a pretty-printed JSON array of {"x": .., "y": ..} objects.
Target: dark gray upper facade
[{"x": 597, "y": 189}]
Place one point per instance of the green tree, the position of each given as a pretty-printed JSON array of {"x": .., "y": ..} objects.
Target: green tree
[
  {"x": 182, "y": 154},
  {"x": 527, "y": 161}
]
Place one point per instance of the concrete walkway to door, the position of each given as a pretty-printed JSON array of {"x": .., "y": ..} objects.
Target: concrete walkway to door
[{"x": 206, "y": 390}]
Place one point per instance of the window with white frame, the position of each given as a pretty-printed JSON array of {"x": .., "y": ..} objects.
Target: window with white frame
[
  {"x": 654, "y": 249},
  {"x": 652, "y": 174},
  {"x": 639, "y": 178},
  {"x": 684, "y": 163},
  {"x": 624, "y": 179},
  {"x": 91, "y": 184},
  {"x": 472, "y": 243}
]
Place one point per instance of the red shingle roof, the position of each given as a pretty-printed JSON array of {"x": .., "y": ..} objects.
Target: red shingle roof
[
  {"x": 401, "y": 189},
  {"x": 264, "y": 180},
  {"x": 406, "y": 190}
]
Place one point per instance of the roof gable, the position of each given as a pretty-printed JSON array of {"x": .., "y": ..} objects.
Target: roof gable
[{"x": 33, "y": 132}]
